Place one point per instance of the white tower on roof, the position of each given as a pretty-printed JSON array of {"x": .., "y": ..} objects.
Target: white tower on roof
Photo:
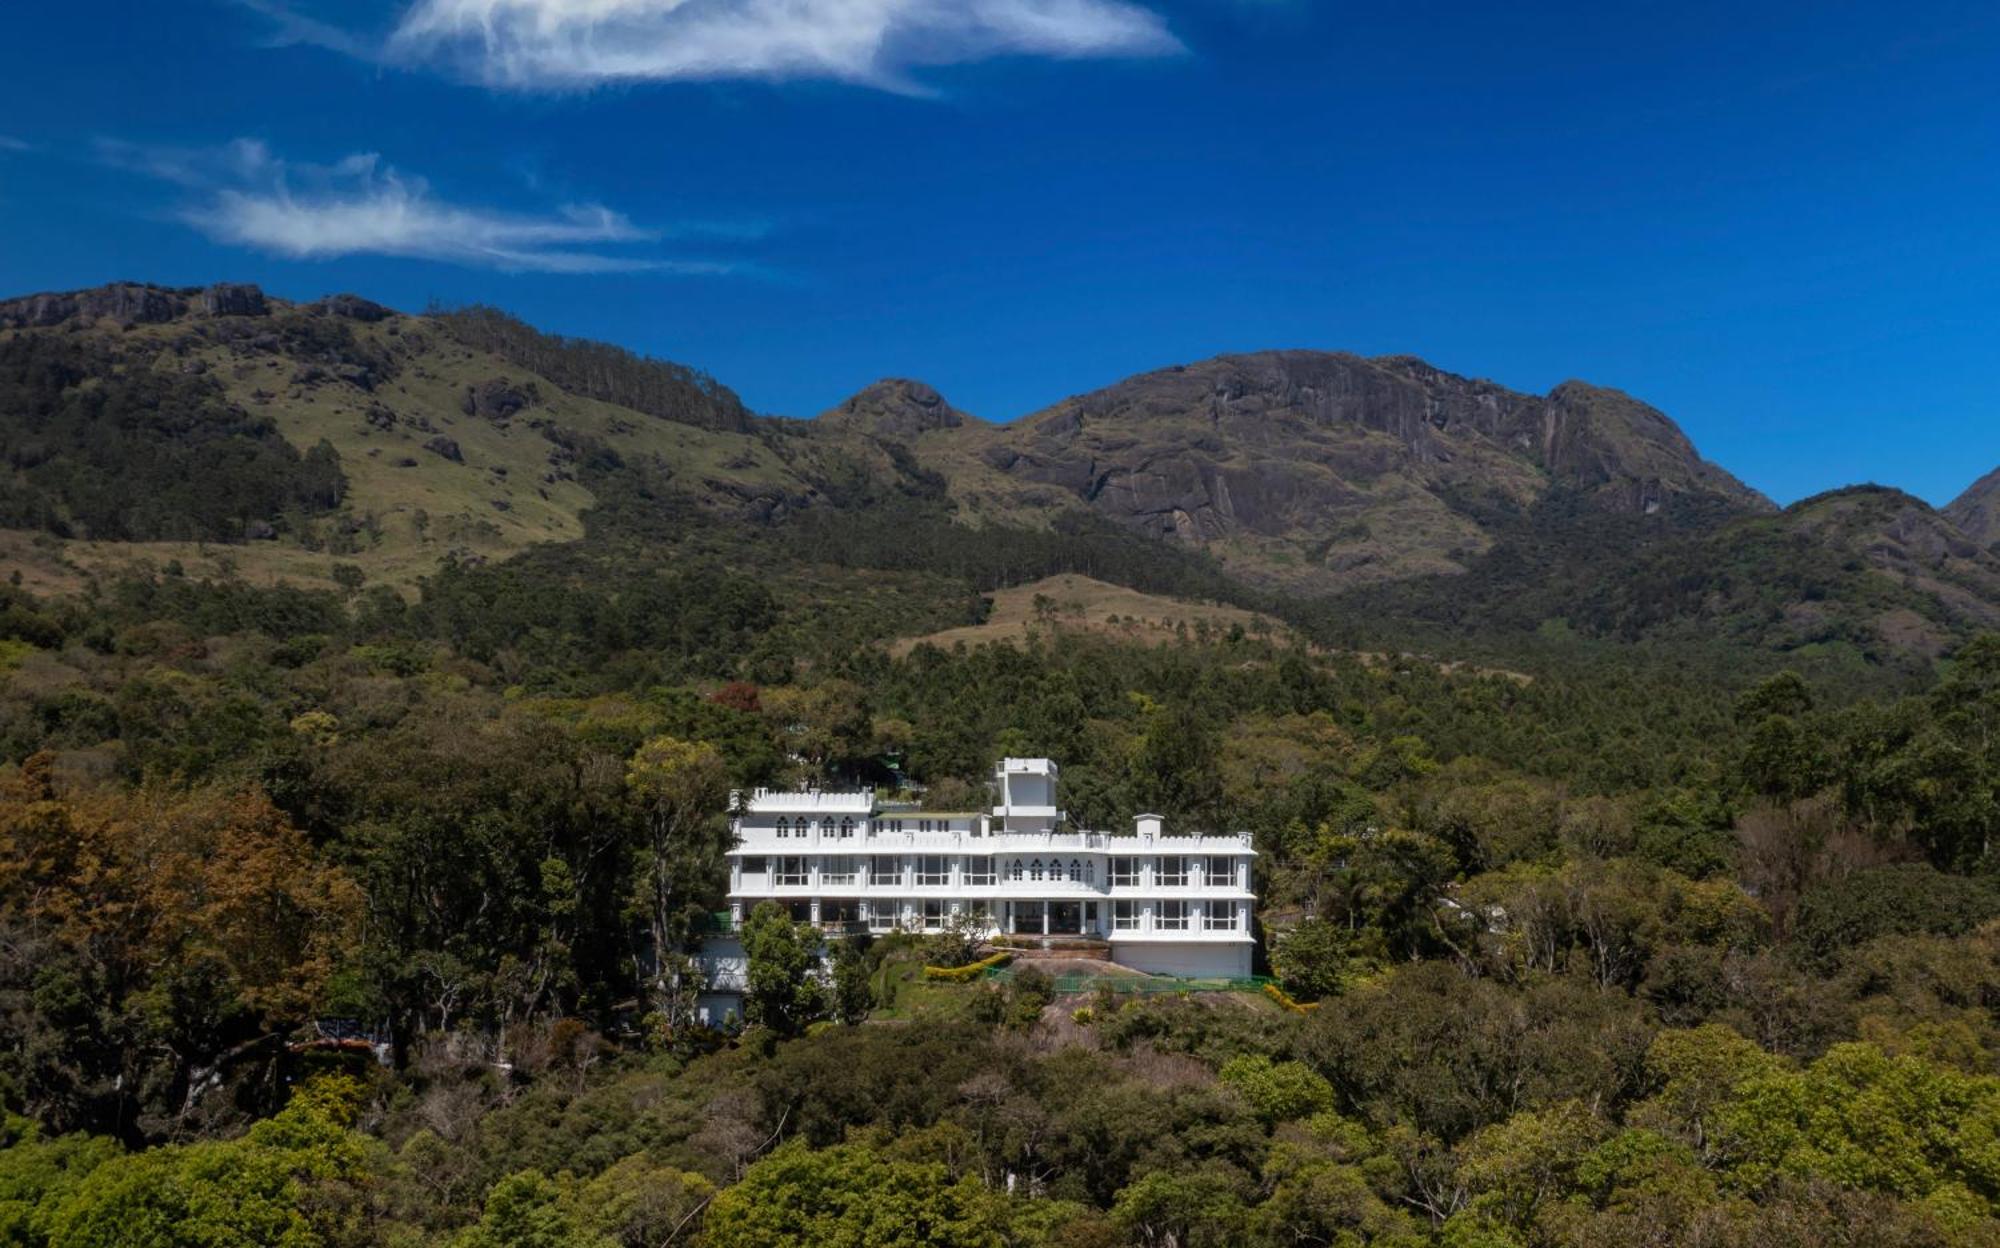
[{"x": 1026, "y": 788}]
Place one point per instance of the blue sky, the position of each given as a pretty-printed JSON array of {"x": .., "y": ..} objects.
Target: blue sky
[{"x": 1778, "y": 222}]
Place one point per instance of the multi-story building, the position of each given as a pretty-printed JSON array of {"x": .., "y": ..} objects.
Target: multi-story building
[{"x": 1167, "y": 904}]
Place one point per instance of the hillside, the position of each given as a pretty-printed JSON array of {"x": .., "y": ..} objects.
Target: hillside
[
  {"x": 1977, "y": 511},
  {"x": 460, "y": 435},
  {"x": 228, "y": 434},
  {"x": 1080, "y": 604},
  {"x": 1316, "y": 472}
]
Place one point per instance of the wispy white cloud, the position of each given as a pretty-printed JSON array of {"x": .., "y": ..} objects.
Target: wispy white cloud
[
  {"x": 243, "y": 194},
  {"x": 8, "y": 143},
  {"x": 578, "y": 44},
  {"x": 290, "y": 27}
]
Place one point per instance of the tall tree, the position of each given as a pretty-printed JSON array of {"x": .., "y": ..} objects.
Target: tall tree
[{"x": 683, "y": 787}]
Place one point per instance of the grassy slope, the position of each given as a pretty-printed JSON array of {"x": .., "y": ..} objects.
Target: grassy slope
[
  {"x": 416, "y": 512},
  {"x": 1083, "y": 605}
]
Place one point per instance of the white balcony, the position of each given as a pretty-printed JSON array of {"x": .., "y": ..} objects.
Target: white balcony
[{"x": 1026, "y": 812}]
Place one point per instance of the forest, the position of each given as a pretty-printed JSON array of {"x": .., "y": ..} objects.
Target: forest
[{"x": 342, "y": 918}]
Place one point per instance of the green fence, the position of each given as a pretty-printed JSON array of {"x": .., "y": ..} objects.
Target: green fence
[{"x": 1139, "y": 984}]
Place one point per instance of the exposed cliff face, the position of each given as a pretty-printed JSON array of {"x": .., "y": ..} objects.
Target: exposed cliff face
[
  {"x": 131, "y": 303},
  {"x": 1320, "y": 469},
  {"x": 1977, "y": 511}
]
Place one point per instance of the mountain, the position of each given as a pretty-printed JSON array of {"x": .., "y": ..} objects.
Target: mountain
[
  {"x": 1862, "y": 574},
  {"x": 138, "y": 421},
  {"x": 233, "y": 433},
  {"x": 895, "y": 408},
  {"x": 1320, "y": 471},
  {"x": 1977, "y": 511}
]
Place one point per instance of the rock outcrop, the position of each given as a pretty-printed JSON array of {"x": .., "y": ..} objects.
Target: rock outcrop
[
  {"x": 350, "y": 307},
  {"x": 446, "y": 448},
  {"x": 496, "y": 398},
  {"x": 128, "y": 303},
  {"x": 234, "y": 299},
  {"x": 896, "y": 408}
]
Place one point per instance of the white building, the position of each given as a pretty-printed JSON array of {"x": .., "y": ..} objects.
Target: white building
[{"x": 1167, "y": 904}]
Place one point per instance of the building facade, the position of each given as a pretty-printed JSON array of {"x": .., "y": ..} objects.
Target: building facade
[{"x": 1166, "y": 904}]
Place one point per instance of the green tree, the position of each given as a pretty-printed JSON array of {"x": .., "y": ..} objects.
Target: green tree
[
  {"x": 853, "y": 982},
  {"x": 1311, "y": 959},
  {"x": 1186, "y": 1209},
  {"x": 640, "y": 1203},
  {"x": 785, "y": 973},
  {"x": 682, "y": 787},
  {"x": 529, "y": 1210},
  {"x": 1278, "y": 1091},
  {"x": 289, "y": 1183},
  {"x": 849, "y": 1196}
]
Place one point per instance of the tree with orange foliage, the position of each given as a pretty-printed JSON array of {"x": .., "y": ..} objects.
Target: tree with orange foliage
[{"x": 198, "y": 927}]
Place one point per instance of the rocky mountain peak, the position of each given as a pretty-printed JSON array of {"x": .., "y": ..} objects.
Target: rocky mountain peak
[
  {"x": 1977, "y": 511},
  {"x": 897, "y": 408},
  {"x": 1628, "y": 452},
  {"x": 1326, "y": 467},
  {"x": 132, "y": 303}
]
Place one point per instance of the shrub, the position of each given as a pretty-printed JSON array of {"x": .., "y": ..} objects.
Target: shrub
[{"x": 970, "y": 971}]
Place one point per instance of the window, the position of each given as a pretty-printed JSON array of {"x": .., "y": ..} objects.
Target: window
[
  {"x": 753, "y": 866},
  {"x": 1014, "y": 870},
  {"x": 881, "y": 916},
  {"x": 935, "y": 911},
  {"x": 978, "y": 871},
  {"x": 1035, "y": 869},
  {"x": 1075, "y": 871},
  {"x": 846, "y": 829},
  {"x": 924, "y": 826},
  {"x": 1172, "y": 916},
  {"x": 791, "y": 871},
  {"x": 1220, "y": 873},
  {"x": 1124, "y": 873},
  {"x": 933, "y": 871},
  {"x": 896, "y": 825},
  {"x": 837, "y": 871},
  {"x": 1125, "y": 916},
  {"x": 1173, "y": 872},
  {"x": 784, "y": 828},
  {"x": 1219, "y": 916}
]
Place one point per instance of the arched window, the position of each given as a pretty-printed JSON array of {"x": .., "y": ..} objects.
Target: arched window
[
  {"x": 1075, "y": 871},
  {"x": 846, "y": 828},
  {"x": 1014, "y": 869},
  {"x": 1090, "y": 872},
  {"x": 784, "y": 828},
  {"x": 1035, "y": 869}
]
